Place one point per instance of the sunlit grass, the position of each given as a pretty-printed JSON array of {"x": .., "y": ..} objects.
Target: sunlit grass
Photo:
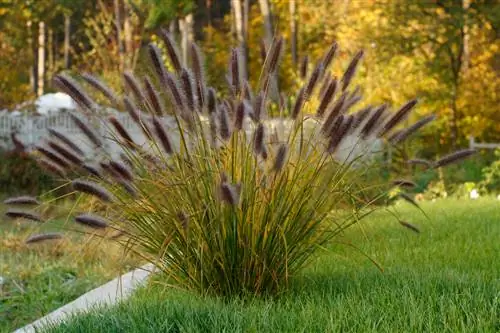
[
  {"x": 40, "y": 278},
  {"x": 445, "y": 279}
]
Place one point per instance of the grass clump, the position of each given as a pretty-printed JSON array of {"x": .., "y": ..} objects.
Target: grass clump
[{"x": 214, "y": 196}]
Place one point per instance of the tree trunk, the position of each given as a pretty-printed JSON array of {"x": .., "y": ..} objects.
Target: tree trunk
[
  {"x": 41, "y": 59},
  {"x": 32, "y": 71},
  {"x": 50, "y": 51},
  {"x": 67, "y": 32},
  {"x": 465, "y": 37},
  {"x": 293, "y": 31},
  {"x": 240, "y": 35},
  {"x": 265, "y": 10},
  {"x": 119, "y": 41},
  {"x": 186, "y": 26},
  {"x": 127, "y": 34}
]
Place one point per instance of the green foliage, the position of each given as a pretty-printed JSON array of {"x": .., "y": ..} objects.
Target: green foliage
[
  {"x": 491, "y": 176},
  {"x": 19, "y": 173}
]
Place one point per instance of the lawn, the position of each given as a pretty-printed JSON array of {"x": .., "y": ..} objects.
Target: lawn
[
  {"x": 445, "y": 279},
  {"x": 41, "y": 278}
]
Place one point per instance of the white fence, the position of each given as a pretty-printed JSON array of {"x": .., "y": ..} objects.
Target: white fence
[
  {"x": 474, "y": 145},
  {"x": 32, "y": 129}
]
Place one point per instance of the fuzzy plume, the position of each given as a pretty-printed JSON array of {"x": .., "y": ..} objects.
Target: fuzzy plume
[
  {"x": 403, "y": 134},
  {"x": 338, "y": 135},
  {"x": 240, "y": 116},
  {"x": 274, "y": 55},
  {"x": 63, "y": 138},
  {"x": 259, "y": 106},
  {"x": 68, "y": 155},
  {"x": 330, "y": 54},
  {"x": 398, "y": 117},
  {"x": 225, "y": 126},
  {"x": 132, "y": 85},
  {"x": 137, "y": 117},
  {"x": 163, "y": 136},
  {"x": 258, "y": 139},
  {"x": 92, "y": 221},
  {"x": 360, "y": 116},
  {"x": 280, "y": 159},
  {"x": 299, "y": 103},
  {"x": 43, "y": 237},
  {"x": 229, "y": 194},
  {"x": 172, "y": 52},
  {"x": 157, "y": 61},
  {"x": 22, "y": 200},
  {"x": 93, "y": 189},
  {"x": 211, "y": 101},
  {"x": 122, "y": 131},
  {"x": 189, "y": 92},
  {"x": 94, "y": 171},
  {"x": 122, "y": 169},
  {"x": 53, "y": 157},
  {"x": 410, "y": 226},
  {"x": 327, "y": 96},
  {"x": 176, "y": 95},
  {"x": 101, "y": 87},
  {"x": 73, "y": 89},
  {"x": 197, "y": 65},
  {"x": 313, "y": 81},
  {"x": 17, "y": 214},
  {"x": 89, "y": 133},
  {"x": 153, "y": 97},
  {"x": 404, "y": 183},
  {"x": 234, "y": 70},
  {"x": 51, "y": 167},
  {"x": 371, "y": 124},
  {"x": 420, "y": 161},
  {"x": 454, "y": 157},
  {"x": 303, "y": 67},
  {"x": 351, "y": 70},
  {"x": 335, "y": 111}
]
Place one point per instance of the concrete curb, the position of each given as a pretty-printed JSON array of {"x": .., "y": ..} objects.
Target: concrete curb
[{"x": 107, "y": 294}]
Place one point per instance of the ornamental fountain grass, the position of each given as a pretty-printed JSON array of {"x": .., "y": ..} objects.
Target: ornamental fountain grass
[{"x": 221, "y": 202}]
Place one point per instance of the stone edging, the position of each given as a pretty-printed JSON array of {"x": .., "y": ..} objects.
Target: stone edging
[{"x": 107, "y": 294}]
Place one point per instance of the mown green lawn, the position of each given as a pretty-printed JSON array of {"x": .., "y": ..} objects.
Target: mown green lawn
[
  {"x": 38, "y": 279},
  {"x": 445, "y": 279}
]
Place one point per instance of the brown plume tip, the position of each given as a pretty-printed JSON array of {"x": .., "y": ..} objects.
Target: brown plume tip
[
  {"x": 68, "y": 155},
  {"x": 351, "y": 70},
  {"x": 281, "y": 156},
  {"x": 403, "y": 183},
  {"x": 420, "y": 161},
  {"x": 410, "y": 226},
  {"x": 17, "y": 214},
  {"x": 172, "y": 52},
  {"x": 303, "y": 67},
  {"x": 258, "y": 141},
  {"x": 163, "y": 136},
  {"x": 240, "y": 116},
  {"x": 43, "y": 237},
  {"x": 93, "y": 189},
  {"x": 230, "y": 194},
  {"x": 92, "y": 221},
  {"x": 454, "y": 157},
  {"x": 63, "y": 138},
  {"x": 22, "y": 200},
  {"x": 122, "y": 169}
]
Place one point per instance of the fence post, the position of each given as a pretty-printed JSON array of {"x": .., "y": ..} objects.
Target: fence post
[{"x": 471, "y": 142}]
